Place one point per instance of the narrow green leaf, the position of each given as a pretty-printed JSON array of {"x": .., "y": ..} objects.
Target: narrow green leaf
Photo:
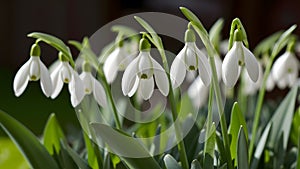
[
  {"x": 237, "y": 120},
  {"x": 155, "y": 147},
  {"x": 260, "y": 146},
  {"x": 298, "y": 158},
  {"x": 133, "y": 154},
  {"x": 54, "y": 42},
  {"x": 53, "y": 134},
  {"x": 221, "y": 149},
  {"x": 78, "y": 160},
  {"x": 106, "y": 163},
  {"x": 124, "y": 30},
  {"x": 266, "y": 45},
  {"x": 93, "y": 161},
  {"x": 242, "y": 150},
  {"x": 282, "y": 119},
  {"x": 171, "y": 163},
  {"x": 209, "y": 148},
  {"x": 195, "y": 165},
  {"x": 279, "y": 153},
  {"x": 295, "y": 126},
  {"x": 215, "y": 33},
  {"x": 283, "y": 39},
  {"x": 28, "y": 144}
]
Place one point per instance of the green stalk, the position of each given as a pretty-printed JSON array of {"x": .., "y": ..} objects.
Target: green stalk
[
  {"x": 111, "y": 100},
  {"x": 181, "y": 146}
]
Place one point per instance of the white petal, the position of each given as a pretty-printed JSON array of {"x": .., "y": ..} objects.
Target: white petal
[
  {"x": 198, "y": 93},
  {"x": 278, "y": 69},
  {"x": 282, "y": 83},
  {"x": 292, "y": 78},
  {"x": 45, "y": 80},
  {"x": 178, "y": 69},
  {"x": 135, "y": 86},
  {"x": 190, "y": 57},
  {"x": 87, "y": 79},
  {"x": 76, "y": 89},
  {"x": 204, "y": 68},
  {"x": 218, "y": 62},
  {"x": 21, "y": 79},
  {"x": 270, "y": 84},
  {"x": 161, "y": 78},
  {"x": 110, "y": 66},
  {"x": 66, "y": 72},
  {"x": 251, "y": 64},
  {"x": 34, "y": 71},
  {"x": 99, "y": 93},
  {"x": 230, "y": 67},
  {"x": 145, "y": 65},
  {"x": 128, "y": 79},
  {"x": 56, "y": 81},
  {"x": 147, "y": 87}
]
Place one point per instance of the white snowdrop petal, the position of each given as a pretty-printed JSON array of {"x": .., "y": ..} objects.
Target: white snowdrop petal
[
  {"x": 178, "y": 69},
  {"x": 198, "y": 93},
  {"x": 204, "y": 68},
  {"x": 270, "y": 84},
  {"x": 190, "y": 55},
  {"x": 21, "y": 79},
  {"x": 218, "y": 62},
  {"x": 145, "y": 65},
  {"x": 278, "y": 69},
  {"x": 251, "y": 64},
  {"x": 87, "y": 80},
  {"x": 66, "y": 72},
  {"x": 34, "y": 70},
  {"x": 56, "y": 81},
  {"x": 110, "y": 66},
  {"x": 76, "y": 89},
  {"x": 99, "y": 93},
  {"x": 230, "y": 67},
  {"x": 45, "y": 80},
  {"x": 128, "y": 79},
  {"x": 147, "y": 87},
  {"x": 161, "y": 78},
  {"x": 135, "y": 86}
]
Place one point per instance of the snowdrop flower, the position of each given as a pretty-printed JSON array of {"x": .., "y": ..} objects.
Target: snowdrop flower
[
  {"x": 92, "y": 85},
  {"x": 251, "y": 87},
  {"x": 236, "y": 57},
  {"x": 64, "y": 73},
  {"x": 138, "y": 76},
  {"x": 190, "y": 58},
  {"x": 33, "y": 70},
  {"x": 285, "y": 70},
  {"x": 198, "y": 93},
  {"x": 270, "y": 84},
  {"x": 117, "y": 60}
]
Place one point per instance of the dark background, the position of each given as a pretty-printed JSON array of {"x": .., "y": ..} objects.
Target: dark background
[{"x": 74, "y": 19}]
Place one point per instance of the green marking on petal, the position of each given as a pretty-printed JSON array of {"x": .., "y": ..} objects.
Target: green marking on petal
[
  {"x": 191, "y": 67},
  {"x": 144, "y": 76}
]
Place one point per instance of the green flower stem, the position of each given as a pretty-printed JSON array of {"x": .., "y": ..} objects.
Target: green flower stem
[
  {"x": 111, "y": 100},
  {"x": 281, "y": 42},
  {"x": 181, "y": 146},
  {"x": 211, "y": 53}
]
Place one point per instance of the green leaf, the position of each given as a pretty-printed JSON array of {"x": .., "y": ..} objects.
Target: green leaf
[
  {"x": 155, "y": 146},
  {"x": 124, "y": 30},
  {"x": 265, "y": 46},
  {"x": 10, "y": 156},
  {"x": 221, "y": 149},
  {"x": 28, "y": 144},
  {"x": 215, "y": 33},
  {"x": 106, "y": 163},
  {"x": 133, "y": 154},
  {"x": 282, "y": 119},
  {"x": 209, "y": 148},
  {"x": 53, "y": 134},
  {"x": 195, "y": 165},
  {"x": 261, "y": 146},
  {"x": 298, "y": 158},
  {"x": 78, "y": 160},
  {"x": 237, "y": 120},
  {"x": 171, "y": 163},
  {"x": 54, "y": 42},
  {"x": 92, "y": 154},
  {"x": 282, "y": 41},
  {"x": 242, "y": 150},
  {"x": 279, "y": 153},
  {"x": 295, "y": 126}
]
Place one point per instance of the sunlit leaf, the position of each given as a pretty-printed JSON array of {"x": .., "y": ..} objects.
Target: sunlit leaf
[
  {"x": 53, "y": 134},
  {"x": 28, "y": 144}
]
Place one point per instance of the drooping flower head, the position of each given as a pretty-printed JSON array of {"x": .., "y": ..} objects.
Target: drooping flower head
[
  {"x": 92, "y": 85},
  {"x": 118, "y": 60},
  {"x": 237, "y": 57},
  {"x": 190, "y": 58},
  {"x": 250, "y": 87},
  {"x": 64, "y": 73},
  {"x": 198, "y": 93},
  {"x": 140, "y": 72},
  {"x": 33, "y": 70},
  {"x": 285, "y": 70}
]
